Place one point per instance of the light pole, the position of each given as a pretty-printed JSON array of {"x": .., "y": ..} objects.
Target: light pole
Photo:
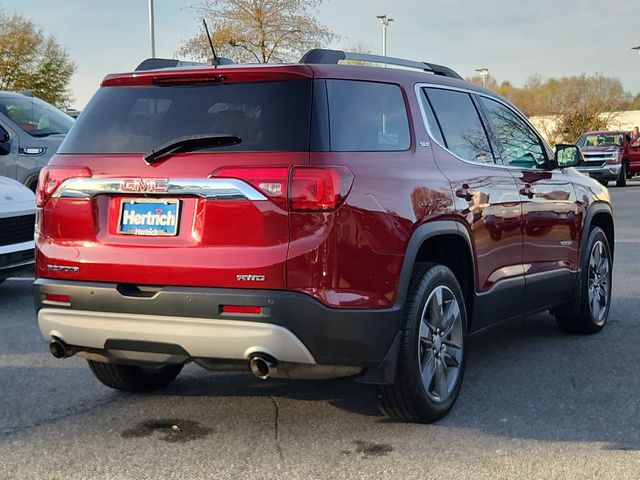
[
  {"x": 384, "y": 20},
  {"x": 152, "y": 35},
  {"x": 485, "y": 73}
]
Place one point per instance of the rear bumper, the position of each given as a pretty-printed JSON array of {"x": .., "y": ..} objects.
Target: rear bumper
[
  {"x": 292, "y": 327},
  {"x": 195, "y": 337}
]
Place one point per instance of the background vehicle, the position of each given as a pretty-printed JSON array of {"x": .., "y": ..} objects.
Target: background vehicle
[
  {"x": 311, "y": 220},
  {"x": 31, "y": 131},
  {"x": 17, "y": 220},
  {"x": 609, "y": 155}
]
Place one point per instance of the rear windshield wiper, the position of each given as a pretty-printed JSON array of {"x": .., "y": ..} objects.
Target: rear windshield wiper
[{"x": 191, "y": 142}]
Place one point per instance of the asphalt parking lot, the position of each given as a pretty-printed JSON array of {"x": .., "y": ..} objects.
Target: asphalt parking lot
[{"x": 535, "y": 403}]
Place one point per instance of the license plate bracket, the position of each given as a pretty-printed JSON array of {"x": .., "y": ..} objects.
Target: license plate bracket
[{"x": 149, "y": 217}]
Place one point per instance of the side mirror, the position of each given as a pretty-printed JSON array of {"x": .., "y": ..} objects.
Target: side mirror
[
  {"x": 5, "y": 139},
  {"x": 567, "y": 155}
]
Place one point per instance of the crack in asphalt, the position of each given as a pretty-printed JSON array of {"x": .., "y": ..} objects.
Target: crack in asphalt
[{"x": 275, "y": 427}]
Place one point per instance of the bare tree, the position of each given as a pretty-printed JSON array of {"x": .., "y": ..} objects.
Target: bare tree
[
  {"x": 587, "y": 103},
  {"x": 258, "y": 30},
  {"x": 358, "y": 48},
  {"x": 29, "y": 60}
]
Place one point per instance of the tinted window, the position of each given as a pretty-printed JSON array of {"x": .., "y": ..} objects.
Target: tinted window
[
  {"x": 601, "y": 140},
  {"x": 521, "y": 147},
  {"x": 34, "y": 116},
  {"x": 460, "y": 124},
  {"x": 367, "y": 116},
  {"x": 267, "y": 116}
]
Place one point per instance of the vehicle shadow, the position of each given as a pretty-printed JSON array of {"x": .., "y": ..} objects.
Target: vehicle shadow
[
  {"x": 344, "y": 393},
  {"x": 525, "y": 380}
]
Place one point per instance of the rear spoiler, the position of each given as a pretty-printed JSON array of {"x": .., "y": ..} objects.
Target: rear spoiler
[{"x": 158, "y": 63}]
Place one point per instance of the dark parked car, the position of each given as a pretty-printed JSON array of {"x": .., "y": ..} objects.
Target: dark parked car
[
  {"x": 311, "y": 220},
  {"x": 31, "y": 130}
]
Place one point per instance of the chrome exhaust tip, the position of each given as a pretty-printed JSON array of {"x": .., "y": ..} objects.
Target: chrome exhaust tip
[
  {"x": 59, "y": 349},
  {"x": 263, "y": 365}
]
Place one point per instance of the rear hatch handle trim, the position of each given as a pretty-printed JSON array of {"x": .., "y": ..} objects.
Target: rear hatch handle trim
[{"x": 209, "y": 188}]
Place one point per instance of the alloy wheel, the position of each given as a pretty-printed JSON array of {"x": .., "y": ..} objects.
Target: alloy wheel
[
  {"x": 599, "y": 279},
  {"x": 440, "y": 344}
]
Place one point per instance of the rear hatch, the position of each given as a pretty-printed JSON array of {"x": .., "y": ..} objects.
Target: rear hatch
[{"x": 209, "y": 213}]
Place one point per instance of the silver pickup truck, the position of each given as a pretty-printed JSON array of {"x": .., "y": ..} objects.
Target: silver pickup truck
[
  {"x": 31, "y": 131},
  {"x": 17, "y": 220}
]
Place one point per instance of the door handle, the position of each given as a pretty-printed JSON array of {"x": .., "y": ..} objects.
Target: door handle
[
  {"x": 527, "y": 191},
  {"x": 464, "y": 192}
]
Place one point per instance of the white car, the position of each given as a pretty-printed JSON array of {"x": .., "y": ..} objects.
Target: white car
[{"x": 17, "y": 222}]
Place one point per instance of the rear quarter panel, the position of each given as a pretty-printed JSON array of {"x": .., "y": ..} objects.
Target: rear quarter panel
[{"x": 352, "y": 258}]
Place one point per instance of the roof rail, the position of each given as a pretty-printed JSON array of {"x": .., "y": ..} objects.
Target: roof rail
[{"x": 325, "y": 56}]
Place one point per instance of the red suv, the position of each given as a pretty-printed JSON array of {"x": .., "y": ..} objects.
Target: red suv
[
  {"x": 610, "y": 155},
  {"x": 311, "y": 220}
]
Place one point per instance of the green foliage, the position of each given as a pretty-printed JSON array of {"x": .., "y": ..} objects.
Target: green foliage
[
  {"x": 257, "y": 30},
  {"x": 31, "y": 61}
]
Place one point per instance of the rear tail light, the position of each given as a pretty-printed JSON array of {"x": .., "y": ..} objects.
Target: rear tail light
[
  {"x": 52, "y": 177},
  {"x": 301, "y": 189},
  {"x": 272, "y": 182},
  {"x": 317, "y": 189}
]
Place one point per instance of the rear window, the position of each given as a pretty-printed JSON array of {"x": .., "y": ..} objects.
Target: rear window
[{"x": 267, "y": 116}]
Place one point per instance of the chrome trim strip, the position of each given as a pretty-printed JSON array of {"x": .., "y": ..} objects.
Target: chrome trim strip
[
  {"x": 604, "y": 168},
  {"x": 423, "y": 113},
  {"x": 209, "y": 188}
]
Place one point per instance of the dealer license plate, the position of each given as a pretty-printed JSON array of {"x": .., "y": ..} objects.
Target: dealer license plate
[{"x": 149, "y": 217}]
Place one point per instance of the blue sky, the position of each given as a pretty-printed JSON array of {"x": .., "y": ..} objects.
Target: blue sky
[{"x": 514, "y": 39}]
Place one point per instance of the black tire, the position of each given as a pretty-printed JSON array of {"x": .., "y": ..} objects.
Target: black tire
[
  {"x": 622, "y": 179},
  {"x": 132, "y": 378},
  {"x": 407, "y": 399},
  {"x": 32, "y": 184},
  {"x": 590, "y": 309},
  {"x": 603, "y": 182}
]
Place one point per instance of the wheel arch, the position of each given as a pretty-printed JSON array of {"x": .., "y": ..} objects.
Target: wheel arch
[
  {"x": 31, "y": 179},
  {"x": 445, "y": 242},
  {"x": 600, "y": 215}
]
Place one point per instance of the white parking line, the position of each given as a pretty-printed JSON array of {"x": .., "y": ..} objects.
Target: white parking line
[{"x": 21, "y": 279}]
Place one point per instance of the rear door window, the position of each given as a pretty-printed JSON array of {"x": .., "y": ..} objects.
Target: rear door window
[
  {"x": 367, "y": 116},
  {"x": 267, "y": 116},
  {"x": 459, "y": 124}
]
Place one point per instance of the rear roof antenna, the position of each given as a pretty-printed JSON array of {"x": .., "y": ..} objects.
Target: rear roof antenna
[{"x": 215, "y": 61}]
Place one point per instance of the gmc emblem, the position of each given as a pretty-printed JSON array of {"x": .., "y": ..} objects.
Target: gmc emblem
[{"x": 150, "y": 185}]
